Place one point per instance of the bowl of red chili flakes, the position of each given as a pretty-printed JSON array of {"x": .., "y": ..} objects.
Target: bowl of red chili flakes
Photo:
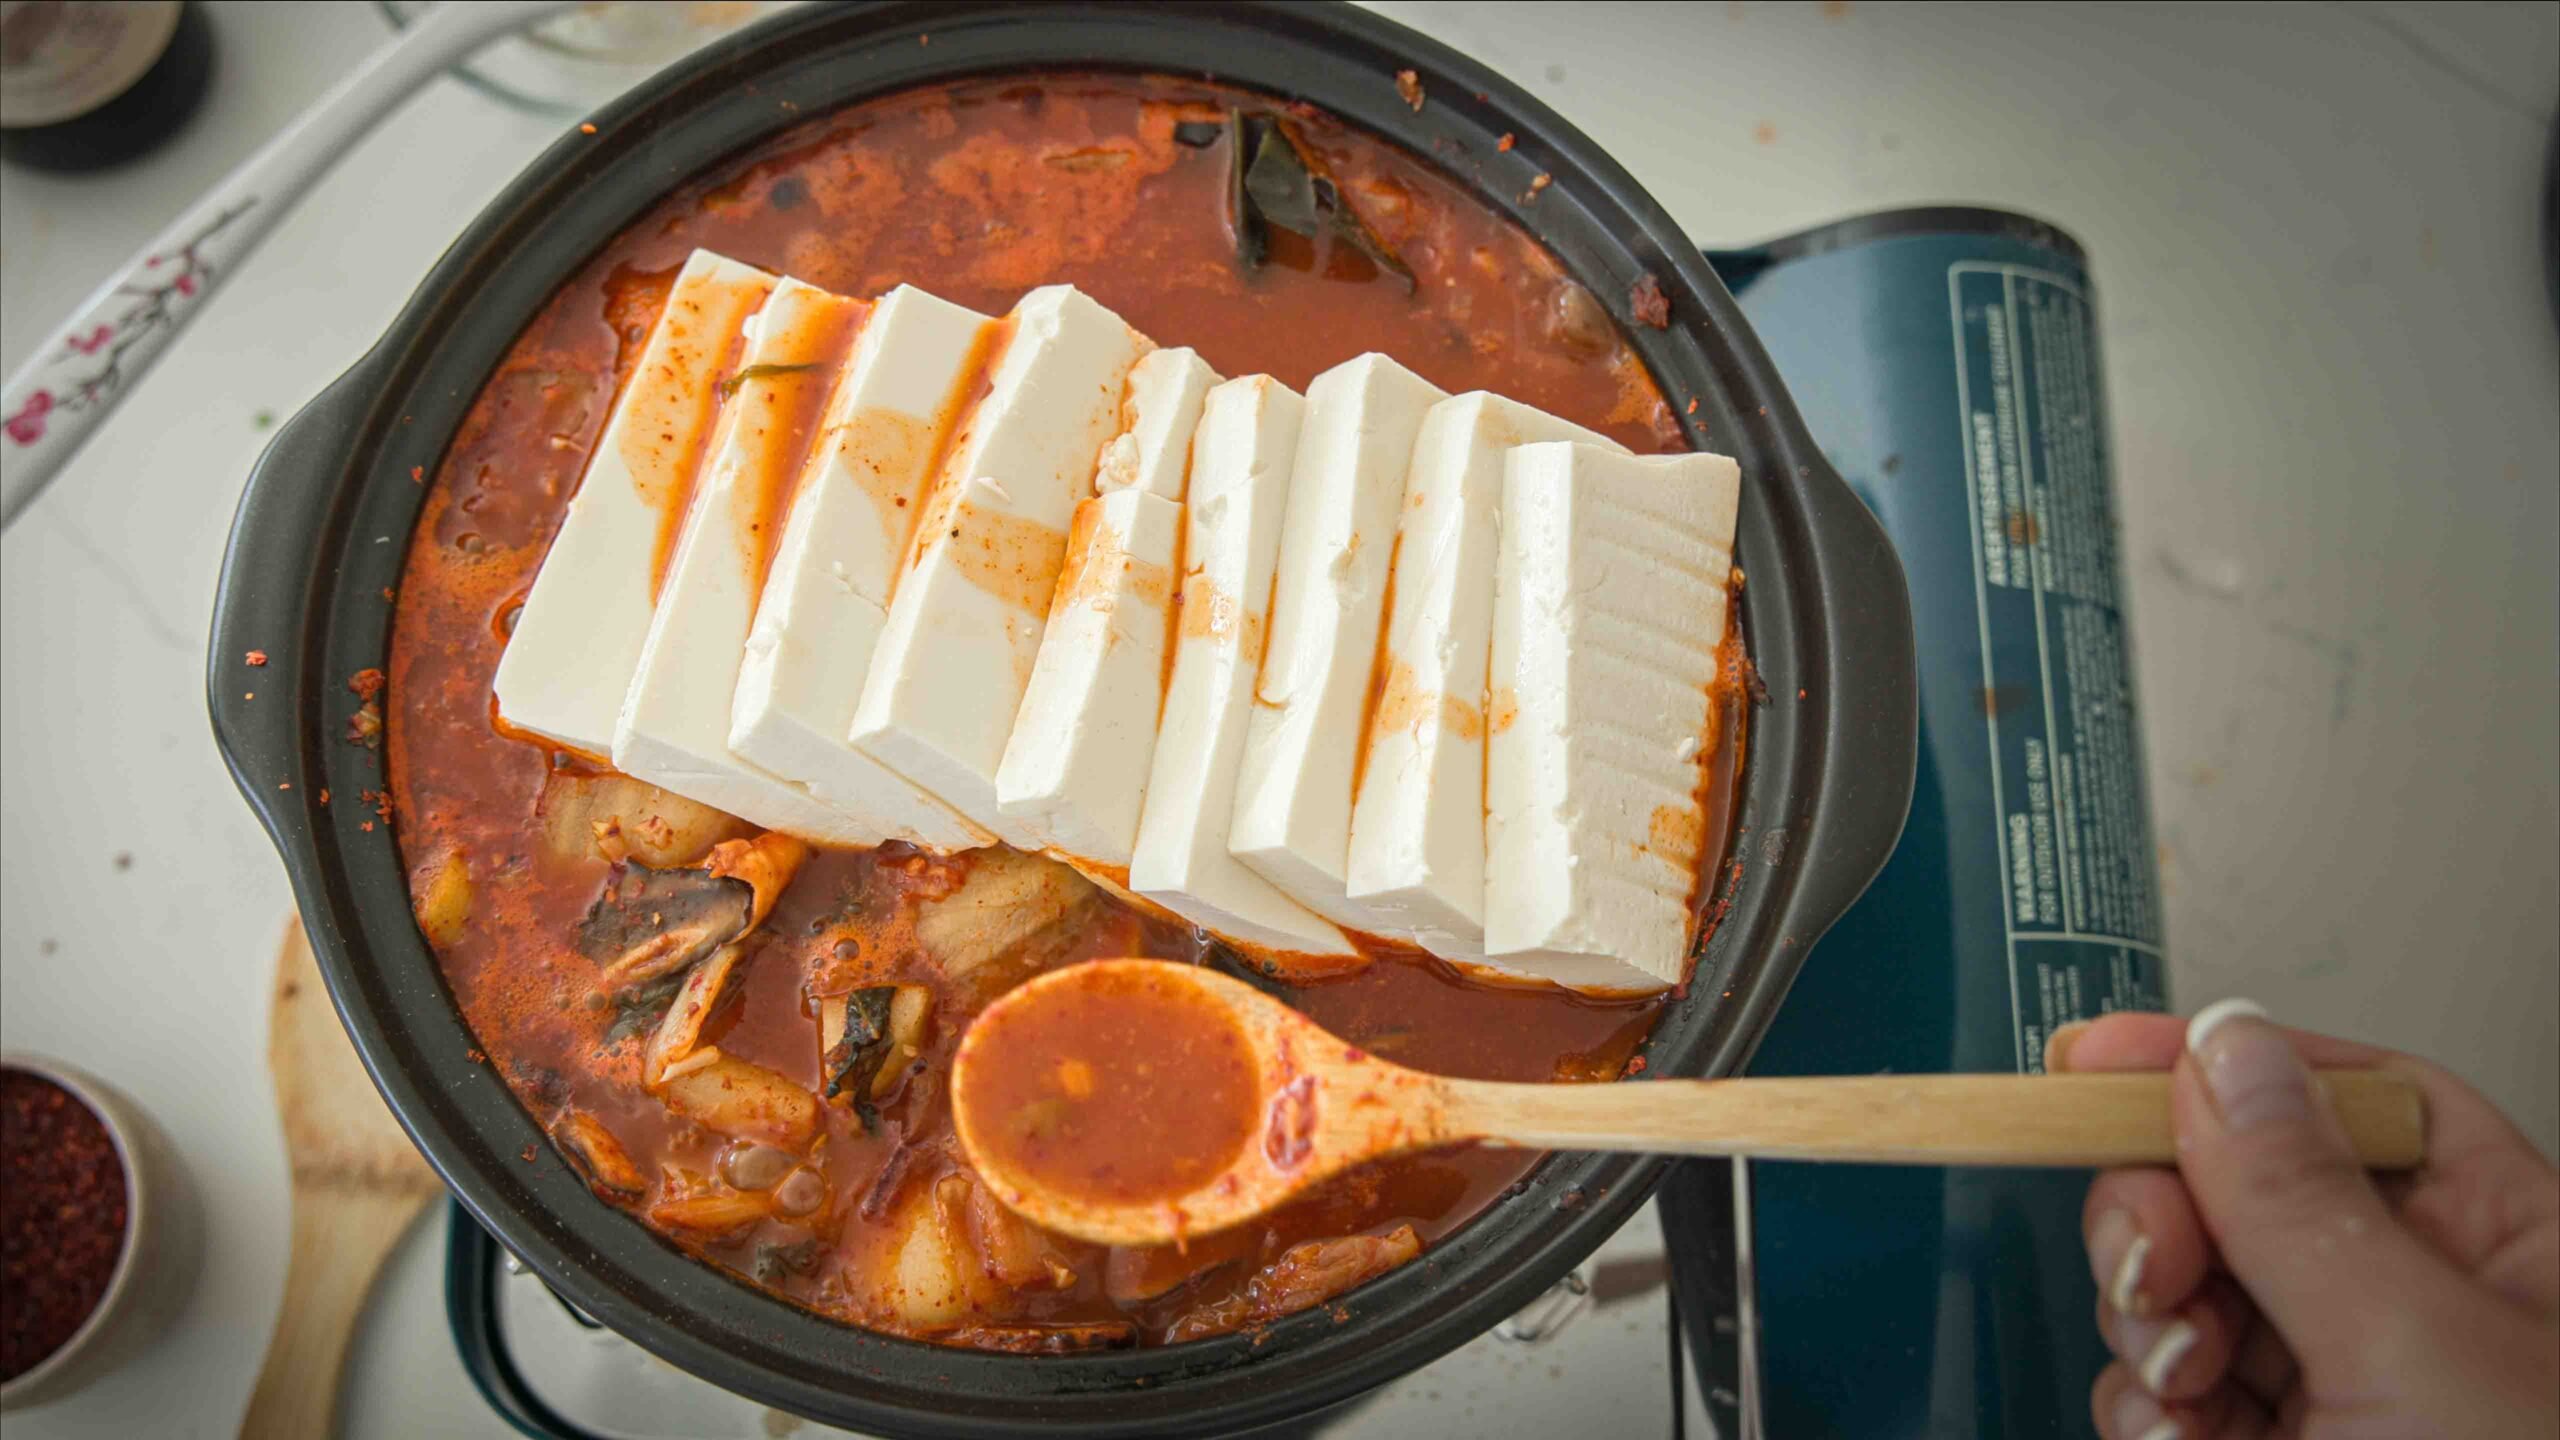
[{"x": 94, "y": 1252}]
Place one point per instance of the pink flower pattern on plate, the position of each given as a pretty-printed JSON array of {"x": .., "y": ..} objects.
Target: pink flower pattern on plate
[
  {"x": 151, "y": 311},
  {"x": 27, "y": 426}
]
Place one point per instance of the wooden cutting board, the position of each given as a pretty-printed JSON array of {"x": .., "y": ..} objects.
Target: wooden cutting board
[{"x": 357, "y": 1183}]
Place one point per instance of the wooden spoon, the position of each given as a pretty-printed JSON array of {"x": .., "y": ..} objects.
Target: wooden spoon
[
  {"x": 357, "y": 1183},
  {"x": 1133, "y": 1102}
]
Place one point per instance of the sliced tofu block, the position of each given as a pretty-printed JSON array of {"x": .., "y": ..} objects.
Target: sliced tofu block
[
  {"x": 964, "y": 625},
  {"x": 1609, "y": 603},
  {"x": 1075, "y": 771},
  {"x": 674, "y": 727},
  {"x": 1302, "y": 748},
  {"x": 1416, "y": 860},
  {"x": 826, "y": 598},
  {"x": 577, "y": 638},
  {"x": 1158, "y": 412},
  {"x": 1074, "y": 774},
  {"x": 1241, "y": 458}
]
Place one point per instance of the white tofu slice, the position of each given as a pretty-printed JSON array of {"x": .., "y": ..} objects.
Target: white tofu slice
[
  {"x": 577, "y": 638},
  {"x": 1075, "y": 771},
  {"x": 1158, "y": 412},
  {"x": 1074, "y": 774},
  {"x": 1416, "y": 860},
  {"x": 1302, "y": 748},
  {"x": 1241, "y": 458},
  {"x": 1609, "y": 603},
  {"x": 826, "y": 597},
  {"x": 965, "y": 623},
  {"x": 674, "y": 727}
]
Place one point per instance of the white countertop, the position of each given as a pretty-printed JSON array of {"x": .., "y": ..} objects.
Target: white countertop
[{"x": 2331, "y": 366}]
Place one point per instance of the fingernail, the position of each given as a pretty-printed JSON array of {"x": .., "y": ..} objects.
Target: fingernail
[
  {"x": 2248, "y": 1065},
  {"x": 2057, "y": 1046},
  {"x": 2211, "y": 1018},
  {"x": 2139, "y": 1416},
  {"x": 2164, "y": 1355},
  {"x": 2117, "y": 1251}
]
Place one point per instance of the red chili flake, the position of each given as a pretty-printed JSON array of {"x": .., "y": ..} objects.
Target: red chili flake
[
  {"x": 586, "y": 129},
  {"x": 417, "y": 474},
  {"x": 1409, "y": 85},
  {"x": 284, "y": 784},
  {"x": 1646, "y": 303},
  {"x": 256, "y": 657},
  {"x": 386, "y": 592},
  {"x": 1635, "y": 1066},
  {"x": 1693, "y": 404},
  {"x": 366, "y": 682},
  {"x": 476, "y": 1056},
  {"x": 324, "y": 794},
  {"x": 1506, "y": 142},
  {"x": 378, "y": 801},
  {"x": 62, "y": 1217},
  {"x": 527, "y": 1154},
  {"x": 366, "y": 827}
]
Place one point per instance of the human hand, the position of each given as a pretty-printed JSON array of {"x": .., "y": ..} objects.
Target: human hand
[{"x": 2270, "y": 1287}]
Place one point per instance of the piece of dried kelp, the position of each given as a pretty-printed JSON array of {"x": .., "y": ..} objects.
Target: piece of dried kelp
[{"x": 1276, "y": 179}]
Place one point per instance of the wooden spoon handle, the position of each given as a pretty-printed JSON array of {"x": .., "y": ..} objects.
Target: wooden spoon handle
[
  {"x": 2057, "y": 1120},
  {"x": 341, "y": 1234}
]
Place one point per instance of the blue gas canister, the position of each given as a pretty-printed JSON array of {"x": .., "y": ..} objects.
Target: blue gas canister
[{"x": 1947, "y": 362}]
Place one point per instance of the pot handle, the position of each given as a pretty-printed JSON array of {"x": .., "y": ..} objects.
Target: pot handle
[
  {"x": 265, "y": 640},
  {"x": 1869, "y": 666}
]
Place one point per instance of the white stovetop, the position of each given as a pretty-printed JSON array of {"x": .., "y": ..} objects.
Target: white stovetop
[{"x": 2332, "y": 369}]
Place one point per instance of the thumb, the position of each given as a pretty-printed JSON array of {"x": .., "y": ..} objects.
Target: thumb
[{"x": 2292, "y": 1210}]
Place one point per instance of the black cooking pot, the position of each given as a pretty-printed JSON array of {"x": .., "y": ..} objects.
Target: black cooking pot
[{"x": 324, "y": 525}]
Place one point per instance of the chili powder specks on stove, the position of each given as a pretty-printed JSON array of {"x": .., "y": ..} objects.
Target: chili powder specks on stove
[{"x": 62, "y": 1217}]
